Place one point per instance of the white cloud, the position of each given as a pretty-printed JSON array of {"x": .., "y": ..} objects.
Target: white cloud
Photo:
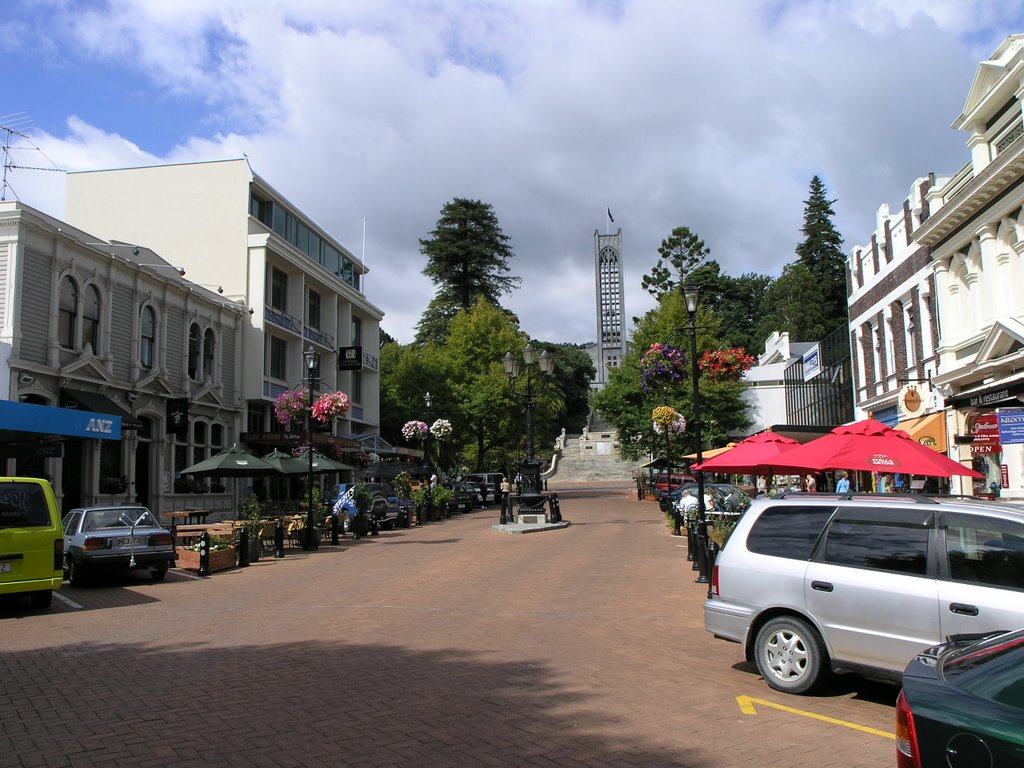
[{"x": 712, "y": 116}]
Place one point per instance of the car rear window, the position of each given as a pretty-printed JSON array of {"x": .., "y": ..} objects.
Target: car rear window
[
  {"x": 994, "y": 671},
  {"x": 23, "y": 505},
  {"x": 788, "y": 531}
]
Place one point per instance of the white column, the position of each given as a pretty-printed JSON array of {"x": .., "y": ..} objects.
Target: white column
[{"x": 988, "y": 275}]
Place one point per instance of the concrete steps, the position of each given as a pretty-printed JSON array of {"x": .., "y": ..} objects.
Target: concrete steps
[{"x": 591, "y": 459}]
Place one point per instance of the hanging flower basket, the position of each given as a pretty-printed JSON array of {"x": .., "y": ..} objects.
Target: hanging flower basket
[
  {"x": 726, "y": 364},
  {"x": 665, "y": 417},
  {"x": 414, "y": 430},
  {"x": 441, "y": 429},
  {"x": 330, "y": 405},
  {"x": 291, "y": 404},
  {"x": 661, "y": 364}
]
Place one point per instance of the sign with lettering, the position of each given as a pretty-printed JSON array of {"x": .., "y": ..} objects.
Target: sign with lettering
[
  {"x": 812, "y": 362},
  {"x": 350, "y": 358},
  {"x": 1011, "y": 425}
]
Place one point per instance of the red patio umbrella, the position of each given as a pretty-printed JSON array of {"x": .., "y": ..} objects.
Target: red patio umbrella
[
  {"x": 755, "y": 455},
  {"x": 871, "y": 446}
]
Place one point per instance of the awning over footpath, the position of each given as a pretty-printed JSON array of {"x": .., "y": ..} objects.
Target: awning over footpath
[
  {"x": 929, "y": 431},
  {"x": 81, "y": 400}
]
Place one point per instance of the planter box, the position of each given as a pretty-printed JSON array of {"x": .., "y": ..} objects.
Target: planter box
[{"x": 219, "y": 561}]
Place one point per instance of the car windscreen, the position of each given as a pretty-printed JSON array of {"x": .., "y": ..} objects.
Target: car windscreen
[{"x": 23, "y": 505}]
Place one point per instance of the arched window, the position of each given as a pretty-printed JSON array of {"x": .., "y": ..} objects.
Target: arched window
[
  {"x": 209, "y": 347},
  {"x": 91, "y": 318},
  {"x": 67, "y": 316},
  {"x": 147, "y": 343},
  {"x": 193, "y": 352}
]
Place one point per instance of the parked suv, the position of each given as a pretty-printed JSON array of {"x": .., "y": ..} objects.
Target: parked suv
[{"x": 809, "y": 583}]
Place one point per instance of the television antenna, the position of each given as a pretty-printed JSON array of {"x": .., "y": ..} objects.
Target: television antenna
[{"x": 13, "y": 125}]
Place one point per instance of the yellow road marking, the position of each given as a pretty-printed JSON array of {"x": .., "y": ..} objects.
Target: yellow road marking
[{"x": 747, "y": 707}]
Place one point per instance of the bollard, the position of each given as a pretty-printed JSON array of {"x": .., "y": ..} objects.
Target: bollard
[
  {"x": 243, "y": 548},
  {"x": 689, "y": 538},
  {"x": 677, "y": 522},
  {"x": 204, "y": 554},
  {"x": 556, "y": 512},
  {"x": 335, "y": 524},
  {"x": 279, "y": 538}
]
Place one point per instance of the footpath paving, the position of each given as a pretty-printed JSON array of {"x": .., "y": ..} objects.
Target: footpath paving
[{"x": 446, "y": 645}]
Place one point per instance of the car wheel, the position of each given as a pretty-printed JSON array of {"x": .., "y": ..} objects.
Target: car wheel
[
  {"x": 159, "y": 573},
  {"x": 790, "y": 655},
  {"x": 76, "y": 572},
  {"x": 41, "y": 599}
]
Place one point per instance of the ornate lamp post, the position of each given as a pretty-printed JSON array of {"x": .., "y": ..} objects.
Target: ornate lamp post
[
  {"x": 428, "y": 502},
  {"x": 530, "y": 470},
  {"x": 691, "y": 293},
  {"x": 312, "y": 359}
]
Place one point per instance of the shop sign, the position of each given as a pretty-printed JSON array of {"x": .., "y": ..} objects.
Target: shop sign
[
  {"x": 1011, "y": 425},
  {"x": 984, "y": 428},
  {"x": 984, "y": 448},
  {"x": 1005, "y": 470}
]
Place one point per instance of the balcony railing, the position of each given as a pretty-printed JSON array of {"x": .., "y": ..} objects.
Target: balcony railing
[{"x": 282, "y": 319}]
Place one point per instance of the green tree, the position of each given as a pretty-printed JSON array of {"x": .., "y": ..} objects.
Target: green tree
[
  {"x": 468, "y": 257},
  {"x": 624, "y": 404},
  {"x": 487, "y": 414},
  {"x": 809, "y": 299},
  {"x": 680, "y": 253},
  {"x": 574, "y": 370}
]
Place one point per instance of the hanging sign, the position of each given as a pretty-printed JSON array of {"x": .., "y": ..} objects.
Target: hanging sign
[{"x": 350, "y": 358}]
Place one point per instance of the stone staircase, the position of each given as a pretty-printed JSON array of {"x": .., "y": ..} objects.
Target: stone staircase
[{"x": 591, "y": 457}]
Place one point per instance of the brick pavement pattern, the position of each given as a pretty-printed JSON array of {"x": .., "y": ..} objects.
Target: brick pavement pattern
[{"x": 445, "y": 645}]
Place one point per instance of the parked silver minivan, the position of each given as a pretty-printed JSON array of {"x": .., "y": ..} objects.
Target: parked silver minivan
[{"x": 813, "y": 583}]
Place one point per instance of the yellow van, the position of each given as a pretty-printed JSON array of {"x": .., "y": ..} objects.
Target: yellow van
[{"x": 31, "y": 539}]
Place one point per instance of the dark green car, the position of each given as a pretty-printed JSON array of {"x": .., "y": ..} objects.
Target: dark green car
[{"x": 962, "y": 705}]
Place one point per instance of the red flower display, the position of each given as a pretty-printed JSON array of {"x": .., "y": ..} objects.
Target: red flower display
[{"x": 726, "y": 364}]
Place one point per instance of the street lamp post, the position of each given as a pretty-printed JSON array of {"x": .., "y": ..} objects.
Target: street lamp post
[
  {"x": 428, "y": 499},
  {"x": 691, "y": 293},
  {"x": 530, "y": 470},
  {"x": 312, "y": 358}
]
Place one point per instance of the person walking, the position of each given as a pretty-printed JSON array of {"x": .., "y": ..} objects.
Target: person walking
[
  {"x": 843, "y": 483},
  {"x": 811, "y": 485}
]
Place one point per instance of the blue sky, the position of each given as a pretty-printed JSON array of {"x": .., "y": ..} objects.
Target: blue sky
[{"x": 708, "y": 115}]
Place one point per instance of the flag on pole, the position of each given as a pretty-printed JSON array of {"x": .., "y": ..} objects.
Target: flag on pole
[{"x": 610, "y": 217}]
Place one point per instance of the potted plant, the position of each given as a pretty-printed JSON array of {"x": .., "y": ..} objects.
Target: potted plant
[
  {"x": 362, "y": 499},
  {"x": 222, "y": 555},
  {"x": 251, "y": 518}
]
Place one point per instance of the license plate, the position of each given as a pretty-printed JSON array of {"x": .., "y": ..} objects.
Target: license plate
[
  {"x": 127, "y": 541},
  {"x": 5, "y": 567}
]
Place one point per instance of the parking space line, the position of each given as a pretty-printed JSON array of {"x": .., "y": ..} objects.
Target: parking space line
[
  {"x": 747, "y": 707},
  {"x": 67, "y": 600}
]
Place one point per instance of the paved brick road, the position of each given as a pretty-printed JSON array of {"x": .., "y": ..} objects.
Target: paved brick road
[{"x": 448, "y": 645}]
